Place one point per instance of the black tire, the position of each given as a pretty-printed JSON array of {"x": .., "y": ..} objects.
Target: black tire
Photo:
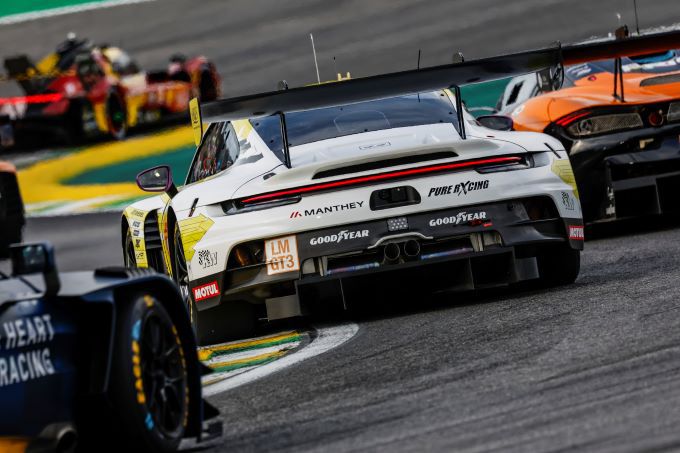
[
  {"x": 558, "y": 265},
  {"x": 116, "y": 115},
  {"x": 181, "y": 276},
  {"x": 149, "y": 379},
  {"x": 228, "y": 321},
  {"x": 129, "y": 257},
  {"x": 206, "y": 86},
  {"x": 180, "y": 273},
  {"x": 11, "y": 213}
]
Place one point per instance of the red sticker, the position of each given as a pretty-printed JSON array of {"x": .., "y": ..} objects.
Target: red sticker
[
  {"x": 206, "y": 291},
  {"x": 576, "y": 233}
]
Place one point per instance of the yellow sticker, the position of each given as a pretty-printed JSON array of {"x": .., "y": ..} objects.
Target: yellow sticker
[
  {"x": 562, "y": 168},
  {"x": 193, "y": 229},
  {"x": 196, "y": 123},
  {"x": 135, "y": 218}
]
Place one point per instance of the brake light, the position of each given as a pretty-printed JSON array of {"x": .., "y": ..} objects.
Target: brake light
[
  {"x": 655, "y": 118},
  {"x": 567, "y": 120},
  {"x": 379, "y": 177},
  {"x": 33, "y": 99}
]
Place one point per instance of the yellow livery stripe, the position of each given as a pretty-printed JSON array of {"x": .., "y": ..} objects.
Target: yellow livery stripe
[{"x": 193, "y": 229}]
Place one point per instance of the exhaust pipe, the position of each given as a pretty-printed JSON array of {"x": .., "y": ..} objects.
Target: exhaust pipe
[
  {"x": 412, "y": 249},
  {"x": 392, "y": 252}
]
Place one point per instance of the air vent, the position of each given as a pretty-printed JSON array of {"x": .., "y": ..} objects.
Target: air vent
[{"x": 368, "y": 166}]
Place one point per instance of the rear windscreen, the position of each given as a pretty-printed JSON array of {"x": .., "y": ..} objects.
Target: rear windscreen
[{"x": 331, "y": 122}]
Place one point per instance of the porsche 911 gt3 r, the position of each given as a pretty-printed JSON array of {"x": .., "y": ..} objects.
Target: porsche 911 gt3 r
[{"x": 322, "y": 190}]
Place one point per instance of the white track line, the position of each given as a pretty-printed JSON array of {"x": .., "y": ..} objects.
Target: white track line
[
  {"x": 34, "y": 15},
  {"x": 327, "y": 339}
]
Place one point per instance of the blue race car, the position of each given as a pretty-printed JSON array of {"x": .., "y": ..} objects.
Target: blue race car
[{"x": 96, "y": 361}]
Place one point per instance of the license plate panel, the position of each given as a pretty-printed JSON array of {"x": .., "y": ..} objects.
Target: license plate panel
[{"x": 281, "y": 255}]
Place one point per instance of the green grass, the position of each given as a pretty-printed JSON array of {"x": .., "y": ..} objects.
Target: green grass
[
  {"x": 483, "y": 94},
  {"x": 9, "y": 7},
  {"x": 179, "y": 160}
]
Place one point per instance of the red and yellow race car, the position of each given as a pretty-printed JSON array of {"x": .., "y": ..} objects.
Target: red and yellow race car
[
  {"x": 83, "y": 90},
  {"x": 618, "y": 116}
]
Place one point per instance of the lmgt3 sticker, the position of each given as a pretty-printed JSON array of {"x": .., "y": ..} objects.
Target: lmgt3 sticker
[{"x": 282, "y": 255}]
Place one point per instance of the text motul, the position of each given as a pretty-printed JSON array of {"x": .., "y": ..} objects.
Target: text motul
[
  {"x": 576, "y": 233},
  {"x": 206, "y": 291}
]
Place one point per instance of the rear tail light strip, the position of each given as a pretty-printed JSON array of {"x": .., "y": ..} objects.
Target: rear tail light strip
[
  {"x": 567, "y": 120},
  {"x": 33, "y": 99},
  {"x": 379, "y": 177}
]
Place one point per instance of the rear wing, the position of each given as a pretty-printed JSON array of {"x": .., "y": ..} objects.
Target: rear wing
[
  {"x": 22, "y": 69},
  {"x": 379, "y": 86},
  {"x": 622, "y": 46},
  {"x": 426, "y": 79},
  {"x": 628, "y": 46}
]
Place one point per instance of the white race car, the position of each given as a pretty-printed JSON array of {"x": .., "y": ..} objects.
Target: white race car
[{"x": 377, "y": 181}]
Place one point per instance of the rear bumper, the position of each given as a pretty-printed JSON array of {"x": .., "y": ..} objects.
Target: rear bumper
[
  {"x": 490, "y": 268},
  {"x": 472, "y": 247},
  {"x": 628, "y": 175}
]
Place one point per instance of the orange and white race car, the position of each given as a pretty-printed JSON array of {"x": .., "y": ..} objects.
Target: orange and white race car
[{"x": 619, "y": 119}]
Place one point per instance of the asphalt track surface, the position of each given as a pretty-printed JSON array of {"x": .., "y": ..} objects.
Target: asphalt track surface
[{"x": 592, "y": 366}]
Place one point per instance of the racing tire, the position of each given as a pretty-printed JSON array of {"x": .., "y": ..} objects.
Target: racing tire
[
  {"x": 129, "y": 251},
  {"x": 180, "y": 272},
  {"x": 149, "y": 378},
  {"x": 79, "y": 115},
  {"x": 11, "y": 213},
  {"x": 558, "y": 265},
  {"x": 181, "y": 276},
  {"x": 116, "y": 116},
  {"x": 227, "y": 321},
  {"x": 206, "y": 87}
]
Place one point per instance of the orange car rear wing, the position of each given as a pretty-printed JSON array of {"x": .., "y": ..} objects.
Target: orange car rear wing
[{"x": 626, "y": 47}]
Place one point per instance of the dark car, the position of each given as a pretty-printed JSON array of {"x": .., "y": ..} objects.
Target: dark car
[
  {"x": 11, "y": 208},
  {"x": 95, "y": 361}
]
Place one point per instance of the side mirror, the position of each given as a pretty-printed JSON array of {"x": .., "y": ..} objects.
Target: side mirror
[
  {"x": 36, "y": 258},
  {"x": 157, "y": 179},
  {"x": 497, "y": 122}
]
